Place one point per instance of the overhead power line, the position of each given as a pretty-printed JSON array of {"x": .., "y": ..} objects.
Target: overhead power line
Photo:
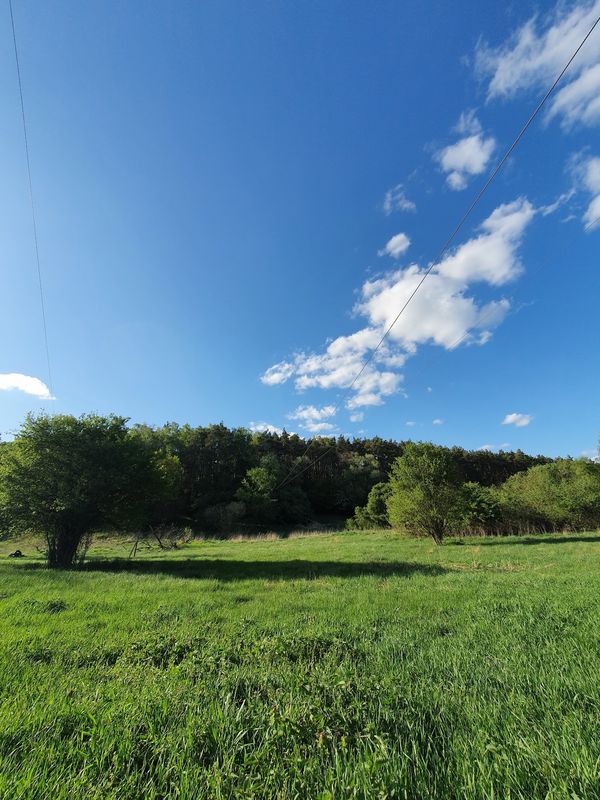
[
  {"x": 290, "y": 477},
  {"x": 33, "y": 214}
]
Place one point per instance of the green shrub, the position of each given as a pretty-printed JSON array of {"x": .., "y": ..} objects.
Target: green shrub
[
  {"x": 374, "y": 514},
  {"x": 426, "y": 496},
  {"x": 483, "y": 513},
  {"x": 564, "y": 495}
]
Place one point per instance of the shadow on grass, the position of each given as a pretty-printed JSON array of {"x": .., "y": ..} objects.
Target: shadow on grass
[
  {"x": 229, "y": 570},
  {"x": 541, "y": 538}
]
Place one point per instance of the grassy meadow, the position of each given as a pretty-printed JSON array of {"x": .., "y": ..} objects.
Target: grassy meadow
[{"x": 350, "y": 665}]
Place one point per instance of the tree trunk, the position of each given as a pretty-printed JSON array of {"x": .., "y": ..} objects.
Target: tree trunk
[
  {"x": 62, "y": 549},
  {"x": 438, "y": 534}
]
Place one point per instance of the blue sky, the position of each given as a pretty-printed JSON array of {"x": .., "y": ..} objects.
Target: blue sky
[{"x": 234, "y": 199}]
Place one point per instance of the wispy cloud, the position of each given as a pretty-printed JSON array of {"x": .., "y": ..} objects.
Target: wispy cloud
[
  {"x": 357, "y": 417},
  {"x": 551, "y": 208},
  {"x": 396, "y": 246},
  {"x": 437, "y": 421},
  {"x": 10, "y": 381},
  {"x": 443, "y": 312},
  {"x": 536, "y": 52},
  {"x": 469, "y": 155},
  {"x": 396, "y": 200},
  {"x": 520, "y": 420}
]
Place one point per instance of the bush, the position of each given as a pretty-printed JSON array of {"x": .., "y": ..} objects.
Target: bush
[
  {"x": 564, "y": 495},
  {"x": 483, "y": 511},
  {"x": 426, "y": 496},
  {"x": 374, "y": 514}
]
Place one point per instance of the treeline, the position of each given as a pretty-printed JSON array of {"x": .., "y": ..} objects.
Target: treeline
[
  {"x": 428, "y": 493},
  {"x": 65, "y": 477},
  {"x": 234, "y": 476}
]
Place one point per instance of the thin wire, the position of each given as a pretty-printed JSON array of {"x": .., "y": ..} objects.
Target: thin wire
[
  {"x": 591, "y": 224},
  {"x": 33, "y": 214},
  {"x": 453, "y": 235}
]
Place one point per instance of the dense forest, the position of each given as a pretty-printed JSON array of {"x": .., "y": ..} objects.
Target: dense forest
[{"x": 305, "y": 479}]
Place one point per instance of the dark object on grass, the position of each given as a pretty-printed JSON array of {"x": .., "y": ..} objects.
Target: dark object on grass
[{"x": 16, "y": 554}]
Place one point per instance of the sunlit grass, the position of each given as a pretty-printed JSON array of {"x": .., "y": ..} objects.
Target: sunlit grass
[{"x": 334, "y": 666}]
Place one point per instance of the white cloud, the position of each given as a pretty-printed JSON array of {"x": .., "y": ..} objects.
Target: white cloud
[
  {"x": 278, "y": 373},
  {"x": 585, "y": 171},
  {"x": 589, "y": 173},
  {"x": 534, "y": 55},
  {"x": 592, "y": 174},
  {"x": 264, "y": 427},
  {"x": 579, "y": 101},
  {"x": 396, "y": 200},
  {"x": 468, "y": 124},
  {"x": 592, "y": 215},
  {"x": 24, "y": 383},
  {"x": 338, "y": 366},
  {"x": 372, "y": 386},
  {"x": 490, "y": 257},
  {"x": 411, "y": 423},
  {"x": 437, "y": 421},
  {"x": 397, "y": 245},
  {"x": 444, "y": 312},
  {"x": 358, "y": 417},
  {"x": 469, "y": 155},
  {"x": 304, "y": 413},
  {"x": 319, "y": 427},
  {"x": 311, "y": 418},
  {"x": 520, "y": 420}
]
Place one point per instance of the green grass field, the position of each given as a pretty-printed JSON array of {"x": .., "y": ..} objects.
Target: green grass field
[{"x": 327, "y": 666}]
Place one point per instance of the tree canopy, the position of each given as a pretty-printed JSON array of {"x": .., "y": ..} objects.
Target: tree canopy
[
  {"x": 65, "y": 477},
  {"x": 426, "y": 491}
]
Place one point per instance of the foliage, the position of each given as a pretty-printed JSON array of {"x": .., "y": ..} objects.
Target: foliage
[
  {"x": 64, "y": 477},
  {"x": 482, "y": 509},
  {"x": 492, "y": 469},
  {"x": 163, "y": 500},
  {"x": 426, "y": 496},
  {"x": 375, "y": 513},
  {"x": 564, "y": 495},
  {"x": 257, "y": 488}
]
